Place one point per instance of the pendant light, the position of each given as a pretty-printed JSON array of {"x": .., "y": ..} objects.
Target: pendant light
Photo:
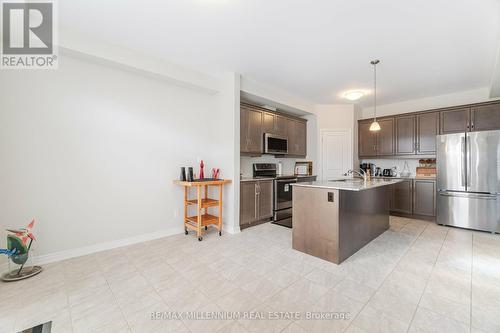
[{"x": 375, "y": 126}]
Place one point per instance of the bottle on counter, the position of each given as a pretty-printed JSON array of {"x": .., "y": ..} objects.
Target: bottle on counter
[{"x": 406, "y": 171}]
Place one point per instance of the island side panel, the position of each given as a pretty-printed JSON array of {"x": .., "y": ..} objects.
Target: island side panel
[
  {"x": 363, "y": 216},
  {"x": 316, "y": 223}
]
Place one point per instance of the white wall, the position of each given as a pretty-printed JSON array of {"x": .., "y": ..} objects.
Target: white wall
[
  {"x": 224, "y": 133},
  {"x": 90, "y": 151},
  {"x": 428, "y": 103}
]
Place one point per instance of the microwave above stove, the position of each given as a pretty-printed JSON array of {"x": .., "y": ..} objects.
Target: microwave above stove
[{"x": 274, "y": 144}]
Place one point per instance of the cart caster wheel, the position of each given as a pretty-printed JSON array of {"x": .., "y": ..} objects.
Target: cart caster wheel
[
  {"x": 186, "y": 232},
  {"x": 200, "y": 238},
  {"x": 206, "y": 227},
  {"x": 220, "y": 233}
]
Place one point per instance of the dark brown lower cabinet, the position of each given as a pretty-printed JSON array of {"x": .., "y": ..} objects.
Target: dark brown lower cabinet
[
  {"x": 402, "y": 197},
  {"x": 248, "y": 203},
  {"x": 256, "y": 202},
  {"x": 265, "y": 199},
  {"x": 424, "y": 197},
  {"x": 414, "y": 197}
]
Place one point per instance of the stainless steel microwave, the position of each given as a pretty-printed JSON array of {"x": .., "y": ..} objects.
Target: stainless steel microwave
[{"x": 274, "y": 144}]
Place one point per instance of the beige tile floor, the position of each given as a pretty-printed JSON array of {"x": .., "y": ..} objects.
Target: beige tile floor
[{"x": 416, "y": 277}]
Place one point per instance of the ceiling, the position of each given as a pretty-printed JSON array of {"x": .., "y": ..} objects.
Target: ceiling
[{"x": 315, "y": 50}]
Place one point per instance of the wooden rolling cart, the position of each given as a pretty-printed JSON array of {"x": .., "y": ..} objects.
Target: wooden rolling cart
[{"x": 203, "y": 218}]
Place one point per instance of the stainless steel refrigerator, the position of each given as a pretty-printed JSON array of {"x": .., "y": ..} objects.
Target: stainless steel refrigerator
[{"x": 468, "y": 180}]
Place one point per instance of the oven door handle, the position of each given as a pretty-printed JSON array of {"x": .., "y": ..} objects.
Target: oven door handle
[{"x": 293, "y": 180}]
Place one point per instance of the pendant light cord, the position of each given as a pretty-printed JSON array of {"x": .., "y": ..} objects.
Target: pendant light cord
[{"x": 375, "y": 91}]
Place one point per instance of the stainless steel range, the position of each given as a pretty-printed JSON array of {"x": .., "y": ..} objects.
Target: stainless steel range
[{"x": 282, "y": 191}]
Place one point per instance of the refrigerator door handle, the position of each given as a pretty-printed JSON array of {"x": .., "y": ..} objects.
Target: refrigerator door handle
[
  {"x": 462, "y": 164},
  {"x": 469, "y": 195},
  {"x": 468, "y": 167}
]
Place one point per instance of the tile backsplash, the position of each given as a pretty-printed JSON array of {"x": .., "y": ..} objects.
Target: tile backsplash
[{"x": 398, "y": 163}]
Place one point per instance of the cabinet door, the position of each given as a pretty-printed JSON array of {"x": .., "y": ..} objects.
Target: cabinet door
[
  {"x": 301, "y": 138},
  {"x": 424, "y": 197},
  {"x": 268, "y": 123},
  {"x": 385, "y": 137},
  {"x": 265, "y": 199},
  {"x": 455, "y": 121},
  {"x": 254, "y": 131},
  {"x": 280, "y": 125},
  {"x": 402, "y": 196},
  {"x": 367, "y": 140},
  {"x": 390, "y": 193},
  {"x": 297, "y": 137},
  {"x": 405, "y": 135},
  {"x": 485, "y": 117},
  {"x": 292, "y": 136},
  {"x": 427, "y": 129},
  {"x": 248, "y": 202}
]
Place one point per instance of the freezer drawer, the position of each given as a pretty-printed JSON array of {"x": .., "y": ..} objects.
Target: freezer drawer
[{"x": 469, "y": 210}]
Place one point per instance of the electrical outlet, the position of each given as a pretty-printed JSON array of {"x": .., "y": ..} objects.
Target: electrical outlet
[{"x": 330, "y": 196}]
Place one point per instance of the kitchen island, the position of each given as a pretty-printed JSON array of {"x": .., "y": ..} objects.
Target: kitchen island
[{"x": 332, "y": 220}]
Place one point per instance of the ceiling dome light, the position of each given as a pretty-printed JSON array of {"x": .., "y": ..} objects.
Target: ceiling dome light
[{"x": 354, "y": 95}]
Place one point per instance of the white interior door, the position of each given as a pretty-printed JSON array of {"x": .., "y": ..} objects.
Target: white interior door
[{"x": 336, "y": 153}]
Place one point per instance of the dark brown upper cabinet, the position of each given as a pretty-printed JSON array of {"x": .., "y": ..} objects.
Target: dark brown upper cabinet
[
  {"x": 367, "y": 140},
  {"x": 405, "y": 135},
  {"x": 427, "y": 129},
  {"x": 385, "y": 137},
  {"x": 255, "y": 121},
  {"x": 485, "y": 117},
  {"x": 268, "y": 123},
  {"x": 250, "y": 131},
  {"x": 455, "y": 120},
  {"x": 274, "y": 124},
  {"x": 415, "y": 133},
  {"x": 280, "y": 126},
  {"x": 379, "y": 143},
  {"x": 297, "y": 137}
]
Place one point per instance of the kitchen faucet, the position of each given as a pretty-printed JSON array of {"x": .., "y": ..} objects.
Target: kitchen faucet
[{"x": 362, "y": 174}]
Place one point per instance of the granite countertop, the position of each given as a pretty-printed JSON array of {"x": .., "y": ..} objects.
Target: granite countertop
[
  {"x": 410, "y": 177},
  {"x": 251, "y": 179},
  {"x": 350, "y": 184}
]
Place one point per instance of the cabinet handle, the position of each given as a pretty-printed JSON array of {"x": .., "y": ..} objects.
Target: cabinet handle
[{"x": 256, "y": 201}]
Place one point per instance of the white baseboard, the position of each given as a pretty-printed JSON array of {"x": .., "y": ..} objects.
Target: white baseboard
[
  {"x": 81, "y": 251},
  {"x": 231, "y": 229}
]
